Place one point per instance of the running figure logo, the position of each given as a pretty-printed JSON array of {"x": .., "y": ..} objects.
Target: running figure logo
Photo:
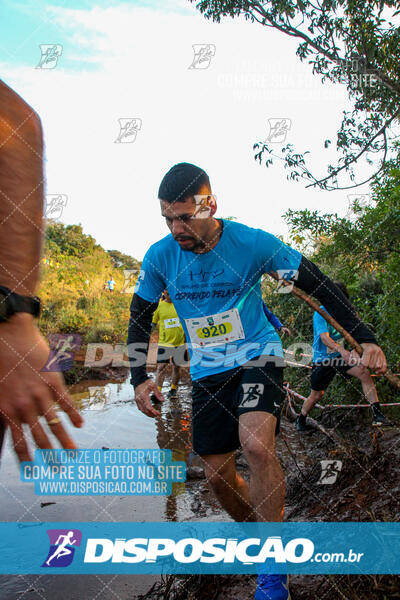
[
  {"x": 286, "y": 278},
  {"x": 62, "y": 348},
  {"x": 129, "y": 283},
  {"x": 356, "y": 204},
  {"x": 278, "y": 130},
  {"x": 62, "y": 547},
  {"x": 203, "y": 54},
  {"x": 139, "y": 280},
  {"x": 50, "y": 55},
  {"x": 54, "y": 205},
  {"x": 99, "y": 395},
  {"x": 252, "y": 393},
  {"x": 128, "y": 129},
  {"x": 330, "y": 470}
]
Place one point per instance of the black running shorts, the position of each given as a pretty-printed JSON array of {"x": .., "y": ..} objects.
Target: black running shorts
[
  {"x": 220, "y": 399},
  {"x": 322, "y": 374}
]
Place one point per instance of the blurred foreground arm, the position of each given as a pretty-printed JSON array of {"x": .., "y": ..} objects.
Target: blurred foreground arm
[{"x": 25, "y": 392}]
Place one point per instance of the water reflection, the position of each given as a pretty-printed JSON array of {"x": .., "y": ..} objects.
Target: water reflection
[
  {"x": 112, "y": 420},
  {"x": 173, "y": 436}
]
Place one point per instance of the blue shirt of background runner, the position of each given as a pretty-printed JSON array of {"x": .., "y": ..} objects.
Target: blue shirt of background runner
[
  {"x": 320, "y": 351},
  {"x": 226, "y": 277}
]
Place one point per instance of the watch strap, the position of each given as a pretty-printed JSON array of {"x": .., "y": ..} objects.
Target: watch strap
[
  {"x": 27, "y": 304},
  {"x": 18, "y": 303}
]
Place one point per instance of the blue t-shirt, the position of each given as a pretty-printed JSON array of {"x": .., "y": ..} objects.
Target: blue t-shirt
[
  {"x": 224, "y": 283},
  {"x": 320, "y": 350}
]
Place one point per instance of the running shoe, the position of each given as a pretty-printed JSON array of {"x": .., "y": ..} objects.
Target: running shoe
[
  {"x": 302, "y": 426},
  {"x": 379, "y": 419},
  {"x": 272, "y": 587}
]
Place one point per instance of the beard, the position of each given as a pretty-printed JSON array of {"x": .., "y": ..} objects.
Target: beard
[{"x": 192, "y": 246}]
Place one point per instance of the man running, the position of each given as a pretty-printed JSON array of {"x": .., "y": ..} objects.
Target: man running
[
  {"x": 213, "y": 269},
  {"x": 330, "y": 358},
  {"x": 111, "y": 284},
  {"x": 171, "y": 343}
]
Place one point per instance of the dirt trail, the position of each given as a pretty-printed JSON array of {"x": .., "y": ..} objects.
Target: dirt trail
[{"x": 366, "y": 489}]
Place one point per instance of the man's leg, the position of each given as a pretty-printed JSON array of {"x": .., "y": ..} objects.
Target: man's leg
[
  {"x": 176, "y": 372},
  {"x": 228, "y": 486},
  {"x": 367, "y": 383},
  {"x": 308, "y": 405},
  {"x": 369, "y": 389},
  {"x": 321, "y": 377},
  {"x": 267, "y": 489},
  {"x": 174, "y": 381},
  {"x": 160, "y": 374},
  {"x": 267, "y": 481},
  {"x": 215, "y": 438},
  {"x": 311, "y": 401}
]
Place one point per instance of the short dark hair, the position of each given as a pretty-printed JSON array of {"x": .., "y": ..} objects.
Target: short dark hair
[
  {"x": 342, "y": 286},
  {"x": 181, "y": 181}
]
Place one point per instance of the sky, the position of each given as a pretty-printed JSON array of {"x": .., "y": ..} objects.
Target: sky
[{"x": 131, "y": 60}]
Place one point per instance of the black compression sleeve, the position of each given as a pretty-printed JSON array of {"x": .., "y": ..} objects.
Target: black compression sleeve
[
  {"x": 314, "y": 282},
  {"x": 139, "y": 336}
]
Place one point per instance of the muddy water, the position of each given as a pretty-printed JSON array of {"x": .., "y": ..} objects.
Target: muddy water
[{"x": 112, "y": 420}]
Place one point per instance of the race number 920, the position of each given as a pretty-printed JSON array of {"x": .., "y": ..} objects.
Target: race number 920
[{"x": 214, "y": 330}]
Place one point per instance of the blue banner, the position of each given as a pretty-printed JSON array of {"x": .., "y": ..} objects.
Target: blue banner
[
  {"x": 106, "y": 472},
  {"x": 198, "y": 547}
]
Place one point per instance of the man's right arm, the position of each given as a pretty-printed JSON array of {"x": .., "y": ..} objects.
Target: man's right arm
[
  {"x": 139, "y": 331},
  {"x": 138, "y": 344}
]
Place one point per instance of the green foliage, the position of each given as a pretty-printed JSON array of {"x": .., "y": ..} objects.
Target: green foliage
[
  {"x": 364, "y": 252},
  {"x": 120, "y": 260},
  {"x": 69, "y": 240},
  {"x": 75, "y": 269}
]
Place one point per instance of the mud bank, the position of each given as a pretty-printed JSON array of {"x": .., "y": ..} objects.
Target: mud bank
[{"x": 367, "y": 489}]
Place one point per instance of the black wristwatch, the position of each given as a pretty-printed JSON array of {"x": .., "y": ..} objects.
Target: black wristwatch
[{"x": 11, "y": 303}]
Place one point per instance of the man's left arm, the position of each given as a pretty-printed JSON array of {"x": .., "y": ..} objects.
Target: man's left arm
[
  {"x": 311, "y": 280},
  {"x": 282, "y": 261}
]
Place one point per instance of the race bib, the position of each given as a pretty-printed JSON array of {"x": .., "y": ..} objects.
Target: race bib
[
  {"x": 170, "y": 323},
  {"x": 215, "y": 330}
]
